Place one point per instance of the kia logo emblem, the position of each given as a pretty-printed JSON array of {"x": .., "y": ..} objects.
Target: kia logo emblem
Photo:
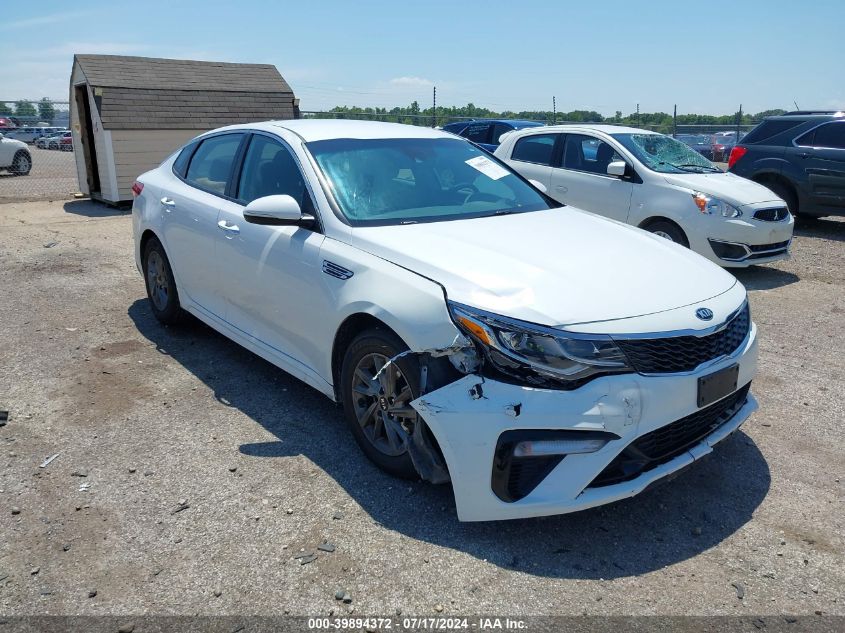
[{"x": 705, "y": 314}]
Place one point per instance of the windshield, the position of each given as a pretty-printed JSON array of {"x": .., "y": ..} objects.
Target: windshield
[
  {"x": 397, "y": 181},
  {"x": 664, "y": 154}
]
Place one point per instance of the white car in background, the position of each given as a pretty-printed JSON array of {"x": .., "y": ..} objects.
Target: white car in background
[
  {"x": 14, "y": 156},
  {"x": 654, "y": 182},
  {"x": 543, "y": 360}
]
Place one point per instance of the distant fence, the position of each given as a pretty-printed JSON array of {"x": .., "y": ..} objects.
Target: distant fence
[{"x": 44, "y": 169}]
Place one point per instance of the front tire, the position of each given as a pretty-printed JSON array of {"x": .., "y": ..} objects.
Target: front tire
[
  {"x": 378, "y": 410},
  {"x": 22, "y": 163},
  {"x": 161, "y": 286},
  {"x": 668, "y": 230}
]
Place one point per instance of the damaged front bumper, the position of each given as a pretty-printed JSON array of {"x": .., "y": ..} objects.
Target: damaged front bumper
[{"x": 468, "y": 417}]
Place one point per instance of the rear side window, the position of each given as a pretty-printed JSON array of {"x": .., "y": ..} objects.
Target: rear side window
[
  {"x": 537, "y": 148},
  {"x": 211, "y": 165},
  {"x": 768, "y": 129},
  {"x": 180, "y": 165},
  {"x": 829, "y": 135},
  {"x": 477, "y": 133}
]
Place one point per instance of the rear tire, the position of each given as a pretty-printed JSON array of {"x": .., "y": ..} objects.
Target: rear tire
[
  {"x": 668, "y": 230},
  {"x": 22, "y": 163},
  {"x": 161, "y": 286}
]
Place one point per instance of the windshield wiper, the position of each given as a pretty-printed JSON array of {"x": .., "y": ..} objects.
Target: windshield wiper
[{"x": 682, "y": 165}]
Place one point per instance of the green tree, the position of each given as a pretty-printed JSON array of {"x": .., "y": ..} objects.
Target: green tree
[
  {"x": 46, "y": 110},
  {"x": 25, "y": 109}
]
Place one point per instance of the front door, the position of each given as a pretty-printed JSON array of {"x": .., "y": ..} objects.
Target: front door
[
  {"x": 580, "y": 179},
  {"x": 272, "y": 274},
  {"x": 821, "y": 152}
]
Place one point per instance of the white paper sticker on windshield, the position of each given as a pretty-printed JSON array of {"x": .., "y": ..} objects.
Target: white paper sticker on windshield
[{"x": 488, "y": 167}]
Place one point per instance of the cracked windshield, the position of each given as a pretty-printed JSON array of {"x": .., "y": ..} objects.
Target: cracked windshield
[{"x": 665, "y": 154}]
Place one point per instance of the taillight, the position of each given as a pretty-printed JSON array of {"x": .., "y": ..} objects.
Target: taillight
[
  {"x": 736, "y": 153},
  {"x": 137, "y": 188}
]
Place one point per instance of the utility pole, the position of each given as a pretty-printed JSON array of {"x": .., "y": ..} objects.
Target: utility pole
[
  {"x": 434, "y": 107},
  {"x": 638, "y": 115},
  {"x": 675, "y": 122},
  {"x": 554, "y": 111},
  {"x": 738, "y": 122}
]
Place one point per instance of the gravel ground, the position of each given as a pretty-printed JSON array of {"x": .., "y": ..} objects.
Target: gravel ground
[
  {"x": 190, "y": 473},
  {"x": 53, "y": 177}
]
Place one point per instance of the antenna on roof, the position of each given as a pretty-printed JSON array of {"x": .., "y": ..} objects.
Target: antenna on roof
[{"x": 796, "y": 105}]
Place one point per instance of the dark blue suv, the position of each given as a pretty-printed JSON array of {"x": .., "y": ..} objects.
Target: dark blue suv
[
  {"x": 486, "y": 132},
  {"x": 801, "y": 157}
]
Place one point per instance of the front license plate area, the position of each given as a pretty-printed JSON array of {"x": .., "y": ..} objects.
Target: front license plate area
[{"x": 717, "y": 385}]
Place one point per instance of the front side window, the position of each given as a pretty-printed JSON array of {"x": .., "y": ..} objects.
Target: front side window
[
  {"x": 664, "y": 154},
  {"x": 270, "y": 170},
  {"x": 211, "y": 164},
  {"x": 588, "y": 153},
  {"x": 537, "y": 148},
  {"x": 408, "y": 180}
]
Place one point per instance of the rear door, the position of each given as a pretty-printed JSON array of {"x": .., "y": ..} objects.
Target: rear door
[
  {"x": 533, "y": 156},
  {"x": 821, "y": 153},
  {"x": 580, "y": 178},
  {"x": 190, "y": 205}
]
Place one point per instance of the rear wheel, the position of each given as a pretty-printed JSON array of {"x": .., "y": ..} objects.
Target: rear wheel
[
  {"x": 22, "y": 163},
  {"x": 161, "y": 286},
  {"x": 668, "y": 230}
]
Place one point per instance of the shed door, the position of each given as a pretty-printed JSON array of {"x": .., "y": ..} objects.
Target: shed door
[{"x": 86, "y": 133}]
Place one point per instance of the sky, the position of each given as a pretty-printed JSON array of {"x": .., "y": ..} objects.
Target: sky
[{"x": 605, "y": 56}]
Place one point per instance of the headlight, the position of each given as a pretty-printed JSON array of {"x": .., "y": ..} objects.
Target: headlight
[
  {"x": 537, "y": 354},
  {"x": 711, "y": 205}
]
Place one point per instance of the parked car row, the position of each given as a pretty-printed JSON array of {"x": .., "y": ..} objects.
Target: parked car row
[
  {"x": 61, "y": 141},
  {"x": 32, "y": 134},
  {"x": 541, "y": 358}
]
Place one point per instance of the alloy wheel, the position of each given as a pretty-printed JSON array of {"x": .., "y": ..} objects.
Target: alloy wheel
[
  {"x": 382, "y": 398},
  {"x": 157, "y": 280}
]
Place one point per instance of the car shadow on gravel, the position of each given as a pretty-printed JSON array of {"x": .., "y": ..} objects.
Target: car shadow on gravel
[
  {"x": 832, "y": 228},
  {"x": 764, "y": 278},
  {"x": 667, "y": 524},
  {"x": 93, "y": 209}
]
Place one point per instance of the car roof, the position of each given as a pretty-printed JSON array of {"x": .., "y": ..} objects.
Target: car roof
[
  {"x": 324, "y": 129},
  {"x": 596, "y": 127},
  {"x": 807, "y": 116}
]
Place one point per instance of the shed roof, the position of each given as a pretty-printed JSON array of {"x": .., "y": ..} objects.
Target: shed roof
[
  {"x": 152, "y": 93},
  {"x": 180, "y": 74}
]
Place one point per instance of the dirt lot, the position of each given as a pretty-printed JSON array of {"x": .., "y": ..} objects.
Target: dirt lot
[
  {"x": 144, "y": 418},
  {"x": 53, "y": 177}
]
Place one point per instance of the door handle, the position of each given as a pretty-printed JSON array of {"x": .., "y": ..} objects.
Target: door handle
[
  {"x": 561, "y": 188},
  {"x": 229, "y": 228},
  {"x": 804, "y": 154},
  {"x": 168, "y": 203}
]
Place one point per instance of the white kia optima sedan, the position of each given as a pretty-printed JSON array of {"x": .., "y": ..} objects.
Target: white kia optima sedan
[
  {"x": 657, "y": 183},
  {"x": 543, "y": 360}
]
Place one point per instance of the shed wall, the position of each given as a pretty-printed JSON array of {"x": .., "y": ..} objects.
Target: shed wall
[{"x": 137, "y": 151}]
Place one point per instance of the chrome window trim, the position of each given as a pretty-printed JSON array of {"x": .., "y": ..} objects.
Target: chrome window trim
[{"x": 795, "y": 144}]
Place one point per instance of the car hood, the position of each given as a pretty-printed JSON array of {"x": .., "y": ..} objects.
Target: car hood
[
  {"x": 557, "y": 267},
  {"x": 729, "y": 187}
]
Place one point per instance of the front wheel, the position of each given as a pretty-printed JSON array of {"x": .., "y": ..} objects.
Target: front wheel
[
  {"x": 22, "y": 163},
  {"x": 669, "y": 231},
  {"x": 161, "y": 286}
]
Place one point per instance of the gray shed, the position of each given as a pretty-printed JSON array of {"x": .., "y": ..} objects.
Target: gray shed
[{"x": 127, "y": 114}]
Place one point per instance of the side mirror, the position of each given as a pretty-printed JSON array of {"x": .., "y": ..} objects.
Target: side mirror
[
  {"x": 617, "y": 168},
  {"x": 538, "y": 185},
  {"x": 278, "y": 210}
]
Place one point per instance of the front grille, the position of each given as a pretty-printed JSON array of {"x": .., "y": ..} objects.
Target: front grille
[
  {"x": 685, "y": 353},
  {"x": 772, "y": 215},
  {"x": 667, "y": 442}
]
